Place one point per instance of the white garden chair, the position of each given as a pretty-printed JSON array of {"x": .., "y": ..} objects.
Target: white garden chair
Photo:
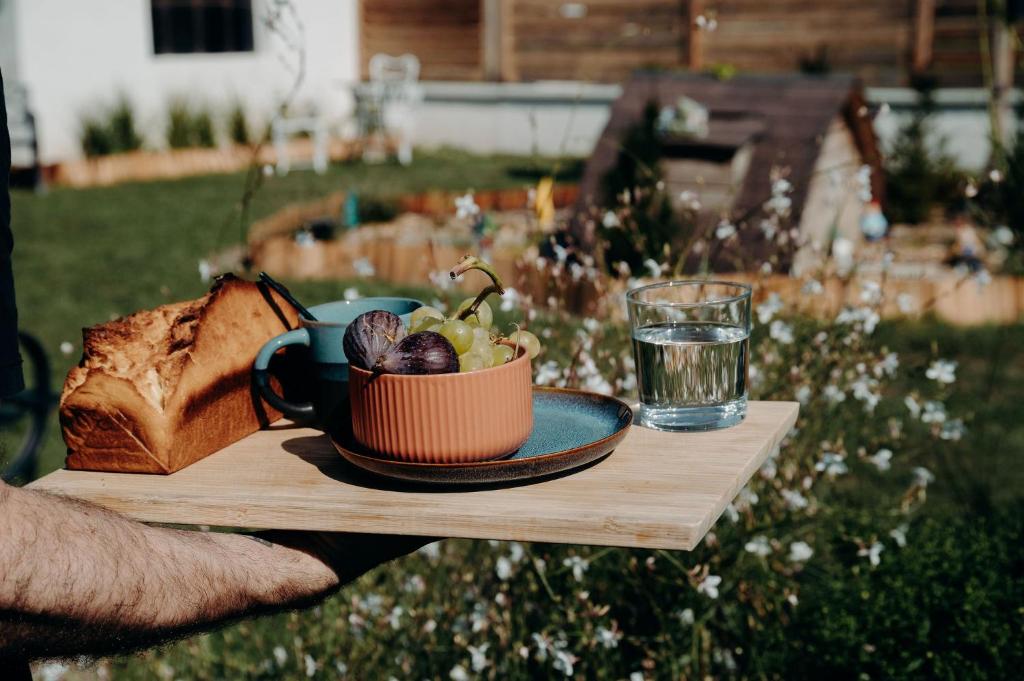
[
  {"x": 389, "y": 100},
  {"x": 283, "y": 128}
]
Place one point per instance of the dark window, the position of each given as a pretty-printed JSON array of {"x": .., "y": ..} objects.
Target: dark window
[{"x": 187, "y": 26}]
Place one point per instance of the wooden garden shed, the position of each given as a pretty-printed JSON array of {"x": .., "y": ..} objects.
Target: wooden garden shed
[{"x": 814, "y": 131}]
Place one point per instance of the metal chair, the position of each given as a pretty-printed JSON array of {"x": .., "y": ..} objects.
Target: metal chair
[{"x": 385, "y": 105}]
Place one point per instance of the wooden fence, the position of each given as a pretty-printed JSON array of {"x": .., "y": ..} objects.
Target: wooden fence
[{"x": 882, "y": 41}]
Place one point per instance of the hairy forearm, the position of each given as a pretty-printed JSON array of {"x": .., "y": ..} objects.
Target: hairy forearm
[{"x": 69, "y": 566}]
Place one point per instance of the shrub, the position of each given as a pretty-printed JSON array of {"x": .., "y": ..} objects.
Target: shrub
[
  {"x": 238, "y": 125},
  {"x": 111, "y": 131},
  {"x": 917, "y": 177},
  {"x": 188, "y": 126},
  {"x": 647, "y": 227},
  {"x": 950, "y": 605},
  {"x": 121, "y": 123},
  {"x": 94, "y": 137}
]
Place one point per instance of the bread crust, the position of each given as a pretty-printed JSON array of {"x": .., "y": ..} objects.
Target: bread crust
[{"x": 160, "y": 389}]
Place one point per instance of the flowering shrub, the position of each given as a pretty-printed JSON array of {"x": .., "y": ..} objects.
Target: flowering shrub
[{"x": 498, "y": 610}]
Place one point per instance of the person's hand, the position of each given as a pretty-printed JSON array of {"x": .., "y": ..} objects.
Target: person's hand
[{"x": 348, "y": 554}]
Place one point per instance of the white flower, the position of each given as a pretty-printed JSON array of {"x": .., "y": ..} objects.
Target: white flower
[
  {"x": 725, "y": 230},
  {"x": 943, "y": 371},
  {"x": 503, "y": 568},
  {"x": 709, "y": 586},
  {"x": 781, "y": 331},
  {"x": 310, "y": 665},
  {"x": 971, "y": 190},
  {"x": 465, "y": 206},
  {"x": 888, "y": 366},
  {"x": 685, "y": 616},
  {"x": 55, "y": 671},
  {"x": 564, "y": 662},
  {"x": 995, "y": 175},
  {"x": 899, "y": 535},
  {"x": 912, "y": 406},
  {"x": 609, "y": 638},
  {"x": 352, "y": 293},
  {"x": 803, "y": 394},
  {"x": 431, "y": 551},
  {"x": 794, "y": 500},
  {"x": 705, "y": 24},
  {"x": 812, "y": 287},
  {"x": 934, "y": 412},
  {"x": 800, "y": 552},
  {"x": 66, "y": 348},
  {"x": 922, "y": 476},
  {"x": 653, "y": 267},
  {"x": 548, "y": 373},
  {"x": 870, "y": 292},
  {"x": 766, "y": 310},
  {"x": 458, "y": 673},
  {"x": 831, "y": 464},
  {"x": 882, "y": 459},
  {"x": 205, "y": 270},
  {"x": 872, "y": 553},
  {"x": 610, "y": 220},
  {"x": 579, "y": 566},
  {"x": 905, "y": 302},
  {"x": 842, "y": 253},
  {"x": 305, "y": 238},
  {"x": 952, "y": 430},
  {"x": 281, "y": 655},
  {"x": 863, "y": 391},
  {"x": 689, "y": 200},
  {"x": 544, "y": 646},
  {"x": 636, "y": 676},
  {"x": 746, "y": 498},
  {"x": 478, "y": 657},
  {"x": 1003, "y": 235},
  {"x": 363, "y": 267},
  {"x": 759, "y": 546},
  {"x": 833, "y": 394},
  {"x": 395, "y": 618},
  {"x": 515, "y": 551},
  {"x": 982, "y": 278}
]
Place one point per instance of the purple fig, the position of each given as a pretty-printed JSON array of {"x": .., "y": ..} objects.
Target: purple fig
[
  {"x": 425, "y": 352},
  {"x": 370, "y": 336}
]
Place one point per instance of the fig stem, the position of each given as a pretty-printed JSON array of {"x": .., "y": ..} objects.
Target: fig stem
[{"x": 471, "y": 262}]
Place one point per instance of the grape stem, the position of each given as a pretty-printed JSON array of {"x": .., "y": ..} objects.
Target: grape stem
[{"x": 471, "y": 262}]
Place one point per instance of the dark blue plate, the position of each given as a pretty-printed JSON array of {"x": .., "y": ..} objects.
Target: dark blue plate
[{"x": 571, "y": 428}]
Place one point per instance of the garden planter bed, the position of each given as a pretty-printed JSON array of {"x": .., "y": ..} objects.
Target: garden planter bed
[{"x": 140, "y": 166}]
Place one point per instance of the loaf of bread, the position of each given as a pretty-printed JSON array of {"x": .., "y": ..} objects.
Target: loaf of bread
[{"x": 160, "y": 389}]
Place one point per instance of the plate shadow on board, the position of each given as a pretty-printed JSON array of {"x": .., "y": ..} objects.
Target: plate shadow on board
[{"x": 318, "y": 451}]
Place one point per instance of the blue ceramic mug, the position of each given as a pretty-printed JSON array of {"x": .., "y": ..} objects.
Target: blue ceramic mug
[{"x": 328, "y": 366}]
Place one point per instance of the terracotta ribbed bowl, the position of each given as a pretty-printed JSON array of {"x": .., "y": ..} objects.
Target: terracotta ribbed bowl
[{"x": 444, "y": 418}]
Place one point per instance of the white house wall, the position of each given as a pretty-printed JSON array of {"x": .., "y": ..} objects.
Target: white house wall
[
  {"x": 77, "y": 55},
  {"x": 8, "y": 45}
]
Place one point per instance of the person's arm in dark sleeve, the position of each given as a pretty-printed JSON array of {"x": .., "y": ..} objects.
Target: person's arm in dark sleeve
[{"x": 11, "y": 380}]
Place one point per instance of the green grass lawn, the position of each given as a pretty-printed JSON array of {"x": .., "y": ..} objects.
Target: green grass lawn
[{"x": 85, "y": 256}]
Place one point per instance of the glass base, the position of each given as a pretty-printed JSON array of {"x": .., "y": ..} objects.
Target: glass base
[{"x": 683, "y": 419}]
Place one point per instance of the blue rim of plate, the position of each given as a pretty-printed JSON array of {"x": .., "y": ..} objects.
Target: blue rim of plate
[{"x": 511, "y": 469}]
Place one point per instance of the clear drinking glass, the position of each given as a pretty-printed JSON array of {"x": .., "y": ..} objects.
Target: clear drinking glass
[{"x": 691, "y": 343}]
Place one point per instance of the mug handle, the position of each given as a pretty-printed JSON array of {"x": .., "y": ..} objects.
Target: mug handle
[{"x": 261, "y": 375}]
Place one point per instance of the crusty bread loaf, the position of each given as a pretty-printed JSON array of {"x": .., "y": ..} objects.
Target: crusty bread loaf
[{"x": 160, "y": 389}]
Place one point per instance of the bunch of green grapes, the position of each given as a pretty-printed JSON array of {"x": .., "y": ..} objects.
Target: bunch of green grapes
[{"x": 479, "y": 344}]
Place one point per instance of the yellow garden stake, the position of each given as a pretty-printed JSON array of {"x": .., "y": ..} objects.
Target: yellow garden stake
[{"x": 544, "y": 206}]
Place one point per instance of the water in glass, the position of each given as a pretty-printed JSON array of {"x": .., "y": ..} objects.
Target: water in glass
[{"x": 691, "y": 375}]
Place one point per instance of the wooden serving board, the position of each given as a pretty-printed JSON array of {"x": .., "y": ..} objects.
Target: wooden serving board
[{"x": 657, "y": 490}]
